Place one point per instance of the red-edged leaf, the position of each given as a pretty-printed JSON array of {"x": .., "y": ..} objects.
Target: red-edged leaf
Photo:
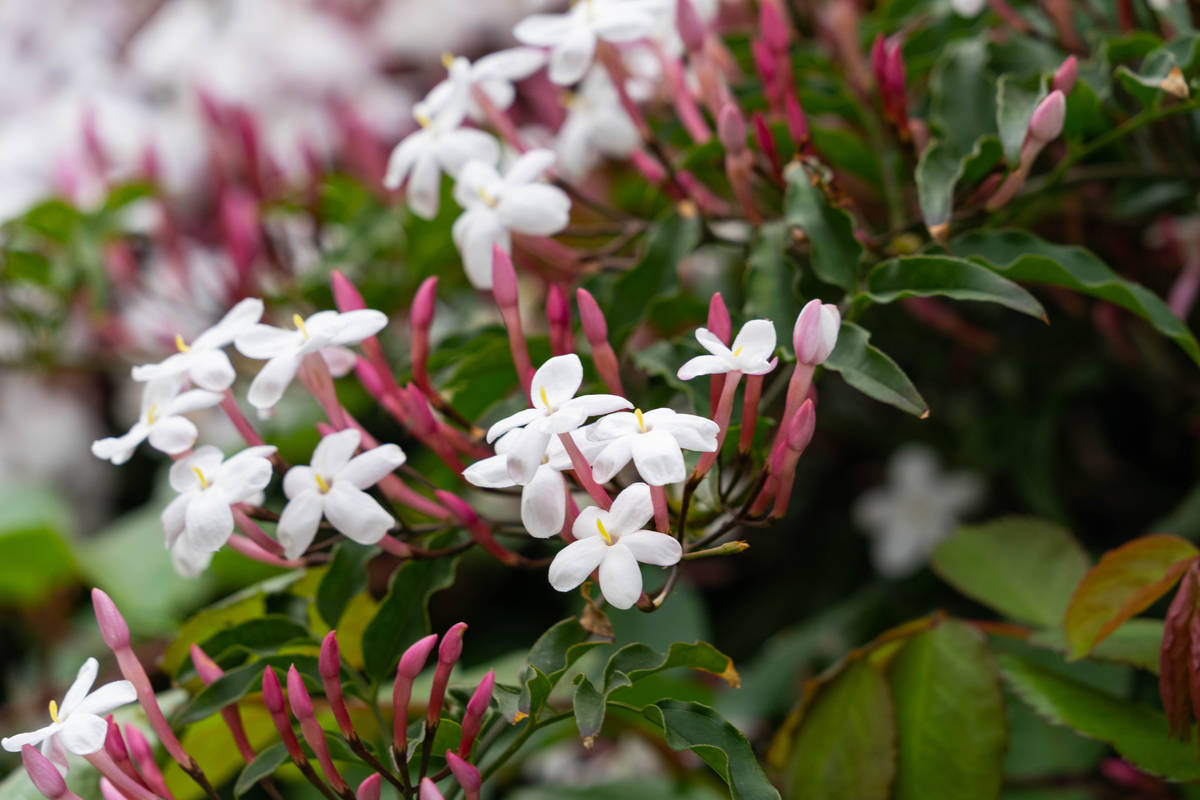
[
  {"x": 1173, "y": 660},
  {"x": 1125, "y": 582}
]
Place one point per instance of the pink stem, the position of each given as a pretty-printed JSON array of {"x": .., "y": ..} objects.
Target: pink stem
[
  {"x": 104, "y": 764},
  {"x": 518, "y": 347},
  {"x": 750, "y": 398},
  {"x": 252, "y": 550},
  {"x": 255, "y": 533},
  {"x": 724, "y": 411},
  {"x": 244, "y": 428},
  {"x": 314, "y": 374},
  {"x": 583, "y": 473},
  {"x": 662, "y": 512},
  {"x": 566, "y": 533},
  {"x": 498, "y": 119}
]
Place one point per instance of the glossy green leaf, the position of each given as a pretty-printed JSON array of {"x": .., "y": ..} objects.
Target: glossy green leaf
[
  {"x": 872, "y": 372},
  {"x": 1022, "y": 567},
  {"x": 830, "y": 231},
  {"x": 403, "y": 615},
  {"x": 1015, "y": 101},
  {"x": 1138, "y": 732},
  {"x": 950, "y": 725},
  {"x": 262, "y": 635},
  {"x": 238, "y": 682},
  {"x": 638, "y": 661},
  {"x": 960, "y": 72},
  {"x": 770, "y": 279},
  {"x": 1022, "y": 256},
  {"x": 956, "y": 278},
  {"x": 589, "y": 704},
  {"x": 1125, "y": 582},
  {"x": 940, "y": 169},
  {"x": 560, "y": 647},
  {"x": 845, "y": 748},
  {"x": 345, "y": 577},
  {"x": 696, "y": 727},
  {"x": 1137, "y": 642},
  {"x": 263, "y": 766}
]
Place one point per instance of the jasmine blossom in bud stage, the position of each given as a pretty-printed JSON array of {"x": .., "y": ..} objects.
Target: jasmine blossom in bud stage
[{"x": 160, "y": 420}]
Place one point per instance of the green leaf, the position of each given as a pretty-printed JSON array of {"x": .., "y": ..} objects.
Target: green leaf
[
  {"x": 830, "y": 231},
  {"x": 940, "y": 169},
  {"x": 1125, "y": 582},
  {"x": 951, "y": 733},
  {"x": 589, "y": 704},
  {"x": 403, "y": 615},
  {"x": 638, "y": 661},
  {"x": 1022, "y": 256},
  {"x": 845, "y": 748},
  {"x": 263, "y": 635},
  {"x": 960, "y": 75},
  {"x": 263, "y": 766},
  {"x": 34, "y": 556},
  {"x": 345, "y": 578},
  {"x": 25, "y": 265},
  {"x": 207, "y": 622},
  {"x": 1136, "y": 731},
  {"x": 1137, "y": 642},
  {"x": 956, "y": 278},
  {"x": 1015, "y": 101},
  {"x": 696, "y": 727},
  {"x": 770, "y": 279},
  {"x": 236, "y": 683},
  {"x": 560, "y": 647},
  {"x": 872, "y": 372},
  {"x": 1023, "y": 567}
]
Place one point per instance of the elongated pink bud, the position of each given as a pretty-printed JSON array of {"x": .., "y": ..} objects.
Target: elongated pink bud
[
  {"x": 595, "y": 328},
  {"x": 143, "y": 756},
  {"x": 297, "y": 695},
  {"x": 558, "y": 315},
  {"x": 802, "y": 427},
  {"x": 206, "y": 668},
  {"x": 429, "y": 791},
  {"x": 369, "y": 378},
  {"x": 1066, "y": 75},
  {"x": 272, "y": 694},
  {"x": 414, "y": 658},
  {"x": 345, "y": 294},
  {"x": 410, "y": 666},
  {"x": 764, "y": 63},
  {"x": 424, "y": 302},
  {"x": 773, "y": 26},
  {"x": 766, "y": 143},
  {"x": 1047, "y": 121},
  {"x": 330, "y": 667},
  {"x": 504, "y": 278},
  {"x": 816, "y": 331},
  {"x": 797, "y": 123},
  {"x": 370, "y": 789},
  {"x": 800, "y": 430},
  {"x": 467, "y": 775},
  {"x": 477, "y": 706},
  {"x": 302, "y": 708},
  {"x": 879, "y": 60},
  {"x": 109, "y": 792},
  {"x": 692, "y": 29},
  {"x": 448, "y": 652},
  {"x": 731, "y": 128},
  {"x": 112, "y": 625},
  {"x": 720, "y": 326},
  {"x": 45, "y": 776}
]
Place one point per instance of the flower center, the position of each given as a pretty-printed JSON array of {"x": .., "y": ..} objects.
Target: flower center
[
  {"x": 491, "y": 202},
  {"x": 637, "y": 412},
  {"x": 545, "y": 400},
  {"x": 603, "y": 532},
  {"x": 181, "y": 345},
  {"x": 152, "y": 414},
  {"x": 54, "y": 711},
  {"x": 299, "y": 323},
  {"x": 737, "y": 351},
  {"x": 204, "y": 484},
  {"x": 322, "y": 483},
  {"x": 422, "y": 119},
  {"x": 447, "y": 58}
]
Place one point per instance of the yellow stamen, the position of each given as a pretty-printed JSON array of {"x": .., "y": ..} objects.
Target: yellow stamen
[
  {"x": 604, "y": 533},
  {"x": 447, "y": 58},
  {"x": 54, "y": 711},
  {"x": 545, "y": 400},
  {"x": 737, "y": 352},
  {"x": 422, "y": 119},
  {"x": 321, "y": 482},
  {"x": 487, "y": 198},
  {"x": 180, "y": 345},
  {"x": 152, "y": 413},
  {"x": 298, "y": 321},
  {"x": 200, "y": 475},
  {"x": 637, "y": 412}
]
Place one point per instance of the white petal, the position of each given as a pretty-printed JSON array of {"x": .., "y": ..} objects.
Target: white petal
[
  {"x": 354, "y": 326},
  {"x": 236, "y": 321},
  {"x": 193, "y": 400},
  {"x": 334, "y": 451},
  {"x": 612, "y": 459},
  {"x": 476, "y": 233},
  {"x": 119, "y": 449},
  {"x": 512, "y": 422},
  {"x": 159, "y": 392},
  {"x": 207, "y": 459},
  {"x": 299, "y": 480},
  {"x": 621, "y": 423},
  {"x": 557, "y": 380},
  {"x": 269, "y": 384},
  {"x": 536, "y": 210},
  {"x": 575, "y": 562},
  {"x": 756, "y": 341},
  {"x": 244, "y": 474},
  {"x": 53, "y": 749},
  {"x": 564, "y": 420},
  {"x": 189, "y": 562},
  {"x": 356, "y": 514},
  {"x": 457, "y": 148},
  {"x": 172, "y": 517},
  {"x": 79, "y": 687},
  {"x": 513, "y": 64},
  {"x": 210, "y": 369},
  {"x": 267, "y": 341},
  {"x": 175, "y": 364},
  {"x": 620, "y": 577},
  {"x": 572, "y": 56},
  {"x": 526, "y": 456},
  {"x": 591, "y": 405},
  {"x": 83, "y": 734},
  {"x": 529, "y": 167},
  {"x": 652, "y": 547},
  {"x": 658, "y": 458},
  {"x": 543, "y": 30},
  {"x": 367, "y": 469},
  {"x": 631, "y": 509},
  {"x": 712, "y": 343},
  {"x": 424, "y": 187},
  {"x": 339, "y": 360},
  {"x": 403, "y": 156},
  {"x": 622, "y": 22},
  {"x": 173, "y": 435},
  {"x": 489, "y": 473},
  {"x": 693, "y": 432},
  {"x": 208, "y": 521},
  {"x": 108, "y": 697},
  {"x": 585, "y": 525},
  {"x": 13, "y": 744},
  {"x": 544, "y": 503},
  {"x": 298, "y": 522},
  {"x": 473, "y": 177},
  {"x": 703, "y": 365}
]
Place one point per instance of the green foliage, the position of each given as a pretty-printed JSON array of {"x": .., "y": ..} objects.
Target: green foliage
[
  {"x": 35, "y": 558},
  {"x": 930, "y": 276},
  {"x": 345, "y": 578},
  {"x": 872, "y": 372},
  {"x": 403, "y": 616},
  {"x": 829, "y": 230}
]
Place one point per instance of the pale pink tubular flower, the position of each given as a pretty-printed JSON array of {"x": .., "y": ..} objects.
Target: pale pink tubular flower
[
  {"x": 302, "y": 709},
  {"x": 45, "y": 776},
  {"x": 466, "y": 774},
  {"x": 410, "y": 666},
  {"x": 449, "y": 652}
]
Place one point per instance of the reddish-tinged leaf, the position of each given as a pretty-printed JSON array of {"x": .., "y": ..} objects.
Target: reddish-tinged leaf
[
  {"x": 1125, "y": 582},
  {"x": 1177, "y": 651}
]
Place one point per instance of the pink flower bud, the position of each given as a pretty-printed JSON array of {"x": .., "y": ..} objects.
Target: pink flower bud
[
  {"x": 796, "y": 122},
  {"x": 429, "y": 791},
  {"x": 801, "y": 427},
  {"x": 691, "y": 26},
  {"x": 410, "y": 666},
  {"x": 766, "y": 143},
  {"x": 206, "y": 668},
  {"x": 467, "y": 775},
  {"x": 764, "y": 62},
  {"x": 109, "y": 792},
  {"x": 272, "y": 692},
  {"x": 894, "y": 75},
  {"x": 370, "y": 789},
  {"x": 879, "y": 60},
  {"x": 345, "y": 294},
  {"x": 452, "y": 644},
  {"x": 143, "y": 756},
  {"x": 558, "y": 310},
  {"x": 448, "y": 652},
  {"x": 816, "y": 331},
  {"x": 414, "y": 658},
  {"x": 329, "y": 665},
  {"x": 731, "y": 128},
  {"x": 1064, "y": 78},
  {"x": 113, "y": 742},
  {"x": 297, "y": 695},
  {"x": 45, "y": 776},
  {"x": 368, "y": 376},
  {"x": 719, "y": 323},
  {"x": 591, "y": 317},
  {"x": 773, "y": 26},
  {"x": 473, "y": 717},
  {"x": 112, "y": 625},
  {"x": 504, "y": 278},
  {"x": 423, "y": 303},
  {"x": 239, "y": 226},
  {"x": 1047, "y": 121}
]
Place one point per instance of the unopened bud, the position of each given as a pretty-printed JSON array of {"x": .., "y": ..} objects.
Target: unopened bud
[
  {"x": 345, "y": 294},
  {"x": 796, "y": 122},
  {"x": 879, "y": 60},
  {"x": 112, "y": 625},
  {"x": 298, "y": 698},
  {"x": 466, "y": 774},
  {"x": 371, "y": 788},
  {"x": 429, "y": 791},
  {"x": 109, "y": 792},
  {"x": 719, "y": 324},
  {"x": 206, "y": 668},
  {"x": 477, "y": 706},
  {"x": 423, "y": 303},
  {"x": 591, "y": 317},
  {"x": 816, "y": 331},
  {"x": 1047, "y": 121},
  {"x": 1064, "y": 78},
  {"x": 330, "y": 663},
  {"x": 691, "y": 26},
  {"x": 801, "y": 427},
  {"x": 113, "y": 743},
  {"x": 504, "y": 278},
  {"x": 414, "y": 658},
  {"x": 272, "y": 692},
  {"x": 731, "y": 128},
  {"x": 45, "y": 776},
  {"x": 452, "y": 644},
  {"x": 773, "y": 26},
  {"x": 558, "y": 310}
]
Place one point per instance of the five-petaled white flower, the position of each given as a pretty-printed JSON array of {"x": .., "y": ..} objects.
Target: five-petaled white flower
[
  {"x": 78, "y": 725},
  {"x": 544, "y": 495},
  {"x": 493, "y": 206},
  {"x": 332, "y": 487},
  {"x": 493, "y": 75},
  {"x": 596, "y": 126},
  {"x": 750, "y": 354},
  {"x": 284, "y": 349},
  {"x": 159, "y": 420},
  {"x": 555, "y": 410},
  {"x": 204, "y": 361},
  {"x": 572, "y": 36},
  {"x": 200, "y": 519},
  {"x": 440, "y": 145},
  {"x": 655, "y": 441},
  {"x": 615, "y": 541}
]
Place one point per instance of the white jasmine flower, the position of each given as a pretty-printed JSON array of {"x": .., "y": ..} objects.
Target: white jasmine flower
[
  {"x": 160, "y": 420},
  {"x": 555, "y": 410},
  {"x": 544, "y": 495},
  {"x": 615, "y": 541},
  {"x": 77, "y": 726},
  {"x": 494, "y": 205},
  {"x": 440, "y": 145},
  {"x": 332, "y": 487},
  {"x": 655, "y": 441},
  {"x": 752, "y": 348},
  {"x": 919, "y": 506},
  {"x": 572, "y": 36},
  {"x": 284, "y": 349},
  {"x": 596, "y": 127},
  {"x": 493, "y": 74},
  {"x": 208, "y": 484},
  {"x": 970, "y": 8},
  {"x": 204, "y": 361}
]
